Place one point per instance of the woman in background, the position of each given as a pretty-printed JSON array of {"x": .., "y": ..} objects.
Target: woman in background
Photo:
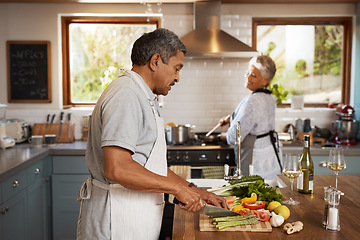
[{"x": 256, "y": 113}]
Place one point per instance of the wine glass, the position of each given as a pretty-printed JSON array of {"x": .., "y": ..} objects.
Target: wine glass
[
  {"x": 291, "y": 170},
  {"x": 336, "y": 161}
]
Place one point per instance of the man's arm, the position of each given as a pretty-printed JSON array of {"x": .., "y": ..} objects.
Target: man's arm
[{"x": 119, "y": 167}]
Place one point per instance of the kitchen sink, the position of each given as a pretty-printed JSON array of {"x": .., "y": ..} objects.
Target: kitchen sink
[{"x": 216, "y": 183}]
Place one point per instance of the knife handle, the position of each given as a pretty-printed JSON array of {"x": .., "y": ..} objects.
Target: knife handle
[
  {"x": 48, "y": 118},
  {"x": 176, "y": 201},
  {"x": 52, "y": 118},
  {"x": 61, "y": 116},
  {"x": 69, "y": 116}
]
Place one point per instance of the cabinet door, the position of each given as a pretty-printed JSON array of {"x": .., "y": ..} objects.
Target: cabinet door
[
  {"x": 65, "y": 208},
  {"x": 14, "y": 221},
  {"x": 38, "y": 210}
]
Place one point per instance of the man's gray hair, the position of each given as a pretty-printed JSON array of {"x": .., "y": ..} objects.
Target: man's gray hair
[
  {"x": 265, "y": 65},
  {"x": 162, "y": 41}
]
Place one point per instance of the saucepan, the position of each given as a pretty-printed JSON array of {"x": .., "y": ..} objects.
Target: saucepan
[{"x": 178, "y": 134}]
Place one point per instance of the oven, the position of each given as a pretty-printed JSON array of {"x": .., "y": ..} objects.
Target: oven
[{"x": 198, "y": 156}]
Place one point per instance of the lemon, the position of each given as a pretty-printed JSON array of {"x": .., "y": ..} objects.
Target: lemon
[
  {"x": 283, "y": 211},
  {"x": 272, "y": 205}
]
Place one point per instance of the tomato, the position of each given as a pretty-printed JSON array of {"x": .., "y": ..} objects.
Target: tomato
[
  {"x": 230, "y": 200},
  {"x": 254, "y": 205},
  {"x": 243, "y": 212},
  {"x": 263, "y": 214}
]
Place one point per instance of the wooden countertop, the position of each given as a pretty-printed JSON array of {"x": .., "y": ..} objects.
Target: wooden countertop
[{"x": 310, "y": 212}]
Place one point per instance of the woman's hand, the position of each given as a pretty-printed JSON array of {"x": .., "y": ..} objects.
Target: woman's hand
[{"x": 225, "y": 120}]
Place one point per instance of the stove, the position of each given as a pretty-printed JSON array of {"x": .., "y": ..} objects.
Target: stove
[{"x": 197, "y": 154}]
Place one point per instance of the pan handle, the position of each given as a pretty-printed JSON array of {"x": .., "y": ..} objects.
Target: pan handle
[{"x": 214, "y": 128}]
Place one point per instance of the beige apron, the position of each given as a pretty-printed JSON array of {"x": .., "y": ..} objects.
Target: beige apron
[
  {"x": 140, "y": 213},
  {"x": 135, "y": 214}
]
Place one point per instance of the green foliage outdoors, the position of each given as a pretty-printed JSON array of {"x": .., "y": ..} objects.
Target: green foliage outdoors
[
  {"x": 93, "y": 49},
  {"x": 328, "y": 49}
]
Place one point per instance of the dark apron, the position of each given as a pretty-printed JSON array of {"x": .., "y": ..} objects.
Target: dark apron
[{"x": 247, "y": 147}]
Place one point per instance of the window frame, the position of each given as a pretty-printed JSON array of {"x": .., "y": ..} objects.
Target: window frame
[
  {"x": 65, "y": 23},
  {"x": 346, "y": 22}
]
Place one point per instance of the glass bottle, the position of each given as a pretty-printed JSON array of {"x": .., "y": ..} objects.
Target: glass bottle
[{"x": 305, "y": 182}]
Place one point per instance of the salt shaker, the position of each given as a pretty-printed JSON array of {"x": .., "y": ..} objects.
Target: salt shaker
[
  {"x": 327, "y": 190},
  {"x": 333, "y": 220}
]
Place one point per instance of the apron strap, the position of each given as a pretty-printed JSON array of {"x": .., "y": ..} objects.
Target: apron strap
[{"x": 273, "y": 138}]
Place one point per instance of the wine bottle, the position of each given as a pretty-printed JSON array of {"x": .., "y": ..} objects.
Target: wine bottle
[{"x": 305, "y": 183}]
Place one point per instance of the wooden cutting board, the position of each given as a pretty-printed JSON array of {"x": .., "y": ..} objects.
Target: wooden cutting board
[{"x": 206, "y": 226}]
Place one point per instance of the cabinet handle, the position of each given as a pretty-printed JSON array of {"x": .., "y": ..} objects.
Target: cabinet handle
[
  {"x": 5, "y": 210},
  {"x": 37, "y": 171},
  {"x": 16, "y": 183}
]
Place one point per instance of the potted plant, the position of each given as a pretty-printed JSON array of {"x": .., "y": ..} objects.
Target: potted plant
[
  {"x": 279, "y": 92},
  {"x": 297, "y": 99}
]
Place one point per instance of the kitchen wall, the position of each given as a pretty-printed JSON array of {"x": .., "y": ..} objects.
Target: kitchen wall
[{"x": 207, "y": 90}]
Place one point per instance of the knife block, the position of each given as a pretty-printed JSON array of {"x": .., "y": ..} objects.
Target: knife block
[{"x": 66, "y": 135}]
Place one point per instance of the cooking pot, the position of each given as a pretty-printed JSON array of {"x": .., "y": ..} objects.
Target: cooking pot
[
  {"x": 178, "y": 135},
  {"x": 212, "y": 138}
]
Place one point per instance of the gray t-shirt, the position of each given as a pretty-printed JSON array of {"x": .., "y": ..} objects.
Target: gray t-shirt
[{"x": 122, "y": 117}]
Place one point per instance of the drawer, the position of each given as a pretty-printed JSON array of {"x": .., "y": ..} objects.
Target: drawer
[
  {"x": 36, "y": 171},
  {"x": 13, "y": 185},
  {"x": 69, "y": 165}
]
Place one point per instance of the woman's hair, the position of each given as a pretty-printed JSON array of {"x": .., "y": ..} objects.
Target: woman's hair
[
  {"x": 265, "y": 65},
  {"x": 162, "y": 41}
]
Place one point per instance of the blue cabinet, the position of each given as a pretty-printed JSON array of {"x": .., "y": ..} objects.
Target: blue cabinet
[
  {"x": 69, "y": 173},
  {"x": 39, "y": 212},
  {"x": 25, "y": 204}
]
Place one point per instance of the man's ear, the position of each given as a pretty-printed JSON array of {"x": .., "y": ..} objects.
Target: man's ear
[{"x": 154, "y": 61}]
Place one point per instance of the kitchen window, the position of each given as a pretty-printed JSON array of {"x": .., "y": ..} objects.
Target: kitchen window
[
  {"x": 312, "y": 55},
  {"x": 94, "y": 48}
]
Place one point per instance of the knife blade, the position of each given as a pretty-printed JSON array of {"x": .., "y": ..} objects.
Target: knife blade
[
  {"x": 213, "y": 211},
  {"x": 61, "y": 124}
]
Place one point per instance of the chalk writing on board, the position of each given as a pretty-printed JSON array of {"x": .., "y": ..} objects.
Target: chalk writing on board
[{"x": 29, "y": 71}]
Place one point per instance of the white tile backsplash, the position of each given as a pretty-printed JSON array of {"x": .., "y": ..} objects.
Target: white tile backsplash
[{"x": 207, "y": 91}]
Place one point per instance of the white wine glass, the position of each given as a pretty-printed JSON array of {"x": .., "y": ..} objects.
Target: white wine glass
[
  {"x": 291, "y": 170},
  {"x": 336, "y": 162}
]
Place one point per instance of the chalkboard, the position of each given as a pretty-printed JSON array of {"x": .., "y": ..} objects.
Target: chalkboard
[{"x": 29, "y": 71}]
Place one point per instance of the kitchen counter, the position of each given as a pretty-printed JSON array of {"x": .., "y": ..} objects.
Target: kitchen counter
[
  {"x": 23, "y": 155},
  {"x": 309, "y": 211},
  {"x": 13, "y": 160}
]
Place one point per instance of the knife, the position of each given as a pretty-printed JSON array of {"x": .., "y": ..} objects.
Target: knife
[
  {"x": 213, "y": 211},
  {"x": 61, "y": 124},
  {"x": 69, "y": 122},
  {"x": 47, "y": 120},
  {"x": 52, "y": 119}
]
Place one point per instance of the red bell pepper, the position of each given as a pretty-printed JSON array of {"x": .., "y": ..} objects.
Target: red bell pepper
[{"x": 254, "y": 205}]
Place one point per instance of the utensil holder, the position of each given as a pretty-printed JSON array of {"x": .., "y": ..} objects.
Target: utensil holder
[{"x": 66, "y": 135}]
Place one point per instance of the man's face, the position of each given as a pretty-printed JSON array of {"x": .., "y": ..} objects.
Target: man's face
[{"x": 168, "y": 74}]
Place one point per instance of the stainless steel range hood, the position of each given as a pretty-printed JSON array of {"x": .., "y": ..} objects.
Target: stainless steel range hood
[{"x": 207, "y": 40}]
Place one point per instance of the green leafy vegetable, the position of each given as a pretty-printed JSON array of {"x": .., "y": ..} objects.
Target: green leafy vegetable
[{"x": 246, "y": 185}]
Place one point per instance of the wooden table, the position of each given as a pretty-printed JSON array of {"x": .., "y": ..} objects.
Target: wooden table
[{"x": 310, "y": 212}]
